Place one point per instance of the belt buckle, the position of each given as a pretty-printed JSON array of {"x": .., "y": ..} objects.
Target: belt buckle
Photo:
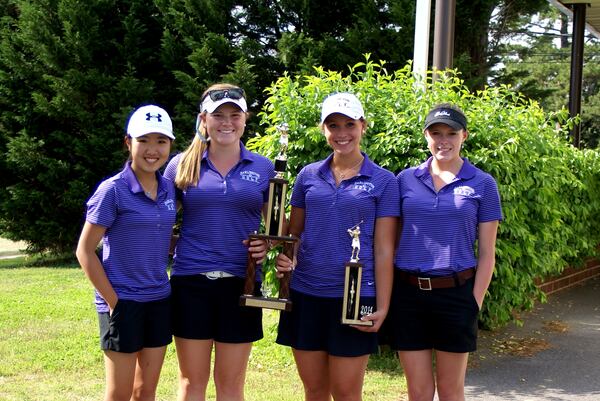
[
  {"x": 422, "y": 280},
  {"x": 214, "y": 275}
]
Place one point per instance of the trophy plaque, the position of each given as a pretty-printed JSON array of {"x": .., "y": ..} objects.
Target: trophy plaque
[
  {"x": 274, "y": 226},
  {"x": 352, "y": 281}
]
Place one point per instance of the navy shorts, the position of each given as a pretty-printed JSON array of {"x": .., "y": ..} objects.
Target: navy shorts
[
  {"x": 444, "y": 319},
  {"x": 314, "y": 324},
  {"x": 205, "y": 309},
  {"x": 135, "y": 325}
]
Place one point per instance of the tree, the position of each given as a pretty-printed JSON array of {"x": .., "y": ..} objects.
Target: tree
[
  {"x": 482, "y": 27},
  {"x": 538, "y": 66},
  {"x": 70, "y": 73}
]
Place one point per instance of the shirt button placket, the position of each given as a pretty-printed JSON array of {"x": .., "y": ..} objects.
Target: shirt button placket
[{"x": 336, "y": 194}]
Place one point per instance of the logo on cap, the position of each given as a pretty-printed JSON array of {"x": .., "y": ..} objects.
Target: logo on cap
[
  {"x": 442, "y": 113},
  {"x": 158, "y": 117}
]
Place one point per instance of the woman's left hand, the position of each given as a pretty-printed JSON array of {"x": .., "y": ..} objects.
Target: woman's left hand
[
  {"x": 377, "y": 318},
  {"x": 258, "y": 249}
]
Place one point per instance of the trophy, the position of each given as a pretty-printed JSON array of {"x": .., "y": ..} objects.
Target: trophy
[
  {"x": 351, "y": 304},
  {"x": 273, "y": 232}
]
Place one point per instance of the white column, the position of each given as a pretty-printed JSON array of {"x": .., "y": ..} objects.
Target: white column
[{"x": 421, "y": 49}]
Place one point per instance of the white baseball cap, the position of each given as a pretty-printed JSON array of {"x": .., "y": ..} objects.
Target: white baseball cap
[
  {"x": 218, "y": 97},
  {"x": 149, "y": 120},
  {"x": 344, "y": 103}
]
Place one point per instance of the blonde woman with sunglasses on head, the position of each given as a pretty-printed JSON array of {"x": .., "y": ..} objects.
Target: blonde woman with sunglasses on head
[{"x": 223, "y": 192}]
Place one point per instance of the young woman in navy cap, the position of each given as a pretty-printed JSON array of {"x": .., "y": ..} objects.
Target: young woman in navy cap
[
  {"x": 447, "y": 205},
  {"x": 332, "y": 198},
  {"x": 224, "y": 190},
  {"x": 133, "y": 214}
]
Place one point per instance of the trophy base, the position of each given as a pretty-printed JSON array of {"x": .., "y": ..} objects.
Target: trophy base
[
  {"x": 268, "y": 303},
  {"x": 358, "y": 322}
]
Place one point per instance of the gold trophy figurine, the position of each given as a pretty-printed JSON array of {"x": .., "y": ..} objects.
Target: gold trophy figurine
[
  {"x": 278, "y": 187},
  {"x": 274, "y": 226},
  {"x": 352, "y": 281}
]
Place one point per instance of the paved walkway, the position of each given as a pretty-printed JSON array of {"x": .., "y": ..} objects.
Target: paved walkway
[
  {"x": 9, "y": 249},
  {"x": 554, "y": 356}
]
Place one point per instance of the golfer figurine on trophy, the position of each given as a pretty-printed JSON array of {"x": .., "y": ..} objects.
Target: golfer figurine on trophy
[
  {"x": 274, "y": 226},
  {"x": 352, "y": 281}
]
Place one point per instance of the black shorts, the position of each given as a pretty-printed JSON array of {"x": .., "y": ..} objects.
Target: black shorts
[
  {"x": 314, "y": 324},
  {"x": 205, "y": 309},
  {"x": 135, "y": 325},
  {"x": 444, "y": 319}
]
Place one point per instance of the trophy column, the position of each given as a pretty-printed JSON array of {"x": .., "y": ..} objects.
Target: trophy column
[
  {"x": 274, "y": 227},
  {"x": 352, "y": 281}
]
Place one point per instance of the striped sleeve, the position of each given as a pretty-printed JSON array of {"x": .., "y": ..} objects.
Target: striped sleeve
[
  {"x": 298, "y": 193},
  {"x": 490, "y": 208},
  {"x": 389, "y": 203},
  {"x": 171, "y": 169},
  {"x": 102, "y": 206}
]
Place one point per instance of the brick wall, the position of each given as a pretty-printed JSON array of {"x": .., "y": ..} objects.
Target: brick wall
[{"x": 571, "y": 276}]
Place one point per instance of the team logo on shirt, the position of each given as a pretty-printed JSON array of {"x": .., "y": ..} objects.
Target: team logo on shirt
[
  {"x": 364, "y": 186},
  {"x": 464, "y": 191},
  {"x": 170, "y": 204},
  {"x": 248, "y": 175}
]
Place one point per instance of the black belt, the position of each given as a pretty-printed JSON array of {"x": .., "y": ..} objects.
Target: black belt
[{"x": 432, "y": 283}]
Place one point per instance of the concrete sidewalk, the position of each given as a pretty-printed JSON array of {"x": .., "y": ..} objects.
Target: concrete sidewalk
[
  {"x": 554, "y": 356},
  {"x": 10, "y": 249}
]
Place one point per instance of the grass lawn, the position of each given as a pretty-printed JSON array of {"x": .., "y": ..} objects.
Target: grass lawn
[{"x": 49, "y": 346}]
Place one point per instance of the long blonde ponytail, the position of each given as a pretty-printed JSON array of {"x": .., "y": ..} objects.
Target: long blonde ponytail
[{"x": 188, "y": 168}]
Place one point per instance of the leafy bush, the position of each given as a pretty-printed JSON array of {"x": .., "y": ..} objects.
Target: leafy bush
[{"x": 547, "y": 186}]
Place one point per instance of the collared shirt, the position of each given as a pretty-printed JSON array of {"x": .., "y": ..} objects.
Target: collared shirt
[
  {"x": 219, "y": 213},
  {"x": 439, "y": 229},
  {"x": 330, "y": 211},
  {"x": 135, "y": 250}
]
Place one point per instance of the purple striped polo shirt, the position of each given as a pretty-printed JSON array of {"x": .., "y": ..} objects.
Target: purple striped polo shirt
[
  {"x": 219, "y": 213},
  {"x": 439, "y": 229},
  {"x": 330, "y": 211},
  {"x": 135, "y": 250}
]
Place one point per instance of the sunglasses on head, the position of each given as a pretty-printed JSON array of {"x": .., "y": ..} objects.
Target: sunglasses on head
[{"x": 218, "y": 94}]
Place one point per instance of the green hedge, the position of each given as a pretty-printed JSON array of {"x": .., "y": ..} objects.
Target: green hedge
[{"x": 548, "y": 188}]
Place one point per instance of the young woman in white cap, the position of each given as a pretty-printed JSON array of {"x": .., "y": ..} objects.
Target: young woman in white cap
[
  {"x": 330, "y": 199},
  {"x": 224, "y": 191},
  {"x": 133, "y": 214},
  {"x": 439, "y": 283}
]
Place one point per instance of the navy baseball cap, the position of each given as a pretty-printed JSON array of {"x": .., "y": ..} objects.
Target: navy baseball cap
[{"x": 446, "y": 114}]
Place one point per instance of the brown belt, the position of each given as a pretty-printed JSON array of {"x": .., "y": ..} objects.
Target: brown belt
[{"x": 432, "y": 283}]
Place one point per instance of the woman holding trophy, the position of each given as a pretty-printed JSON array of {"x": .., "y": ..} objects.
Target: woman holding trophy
[
  {"x": 223, "y": 190},
  {"x": 344, "y": 194}
]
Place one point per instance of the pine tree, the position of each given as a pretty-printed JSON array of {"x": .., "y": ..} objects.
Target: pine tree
[{"x": 71, "y": 71}]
